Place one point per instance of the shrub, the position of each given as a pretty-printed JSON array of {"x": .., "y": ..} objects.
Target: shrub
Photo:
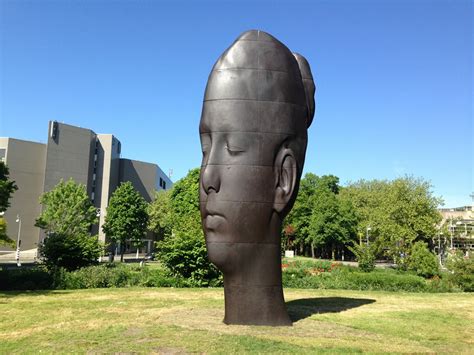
[
  {"x": 116, "y": 275},
  {"x": 461, "y": 269},
  {"x": 423, "y": 262},
  {"x": 351, "y": 279},
  {"x": 185, "y": 255},
  {"x": 35, "y": 278},
  {"x": 70, "y": 252},
  {"x": 441, "y": 284},
  {"x": 365, "y": 255}
]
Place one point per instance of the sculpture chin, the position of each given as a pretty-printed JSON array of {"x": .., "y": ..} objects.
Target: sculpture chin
[{"x": 221, "y": 255}]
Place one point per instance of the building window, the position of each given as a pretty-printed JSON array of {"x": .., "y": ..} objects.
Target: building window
[{"x": 164, "y": 185}]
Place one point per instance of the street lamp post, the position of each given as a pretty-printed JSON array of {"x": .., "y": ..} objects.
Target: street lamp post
[
  {"x": 97, "y": 214},
  {"x": 439, "y": 248},
  {"x": 451, "y": 229},
  {"x": 18, "y": 241}
]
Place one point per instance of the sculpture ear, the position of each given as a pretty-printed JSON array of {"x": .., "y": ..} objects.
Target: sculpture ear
[{"x": 286, "y": 175}]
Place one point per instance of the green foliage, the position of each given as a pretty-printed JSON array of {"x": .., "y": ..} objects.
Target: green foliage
[
  {"x": 97, "y": 276},
  {"x": 346, "y": 278},
  {"x": 67, "y": 210},
  {"x": 312, "y": 274},
  {"x": 159, "y": 214},
  {"x": 399, "y": 212},
  {"x": 4, "y": 239},
  {"x": 7, "y": 187},
  {"x": 70, "y": 251},
  {"x": 319, "y": 274},
  {"x": 461, "y": 268},
  {"x": 127, "y": 216},
  {"x": 26, "y": 278},
  {"x": 365, "y": 255},
  {"x": 185, "y": 255},
  {"x": 182, "y": 249},
  {"x": 319, "y": 217},
  {"x": 299, "y": 217},
  {"x": 67, "y": 217},
  {"x": 422, "y": 261}
]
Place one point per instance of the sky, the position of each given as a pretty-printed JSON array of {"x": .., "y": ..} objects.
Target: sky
[{"x": 394, "y": 79}]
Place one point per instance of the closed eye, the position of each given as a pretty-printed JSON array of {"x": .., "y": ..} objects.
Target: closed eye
[{"x": 233, "y": 149}]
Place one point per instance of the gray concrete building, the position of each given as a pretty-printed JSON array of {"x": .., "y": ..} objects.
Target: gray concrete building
[
  {"x": 71, "y": 152},
  {"x": 26, "y": 162}
]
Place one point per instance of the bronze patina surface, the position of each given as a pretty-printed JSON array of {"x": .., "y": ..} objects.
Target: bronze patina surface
[{"x": 258, "y": 105}]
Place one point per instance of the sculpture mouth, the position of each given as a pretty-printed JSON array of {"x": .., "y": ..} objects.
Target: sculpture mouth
[{"x": 213, "y": 221}]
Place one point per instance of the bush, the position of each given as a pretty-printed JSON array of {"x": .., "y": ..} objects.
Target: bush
[
  {"x": 423, "y": 262},
  {"x": 365, "y": 255},
  {"x": 35, "y": 278},
  {"x": 70, "y": 252},
  {"x": 351, "y": 279},
  {"x": 461, "y": 270},
  {"x": 185, "y": 255},
  {"x": 116, "y": 275}
]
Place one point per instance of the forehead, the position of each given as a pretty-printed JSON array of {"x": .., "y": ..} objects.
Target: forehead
[{"x": 252, "y": 116}]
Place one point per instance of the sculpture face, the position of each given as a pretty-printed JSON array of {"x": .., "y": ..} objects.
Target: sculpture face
[
  {"x": 237, "y": 181},
  {"x": 257, "y": 106}
]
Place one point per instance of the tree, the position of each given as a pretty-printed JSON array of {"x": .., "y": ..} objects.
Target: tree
[
  {"x": 183, "y": 248},
  {"x": 422, "y": 261},
  {"x": 67, "y": 210},
  {"x": 126, "y": 217},
  {"x": 399, "y": 213},
  {"x": 332, "y": 222},
  {"x": 7, "y": 188},
  {"x": 319, "y": 218},
  {"x": 299, "y": 217},
  {"x": 365, "y": 256},
  {"x": 160, "y": 214},
  {"x": 4, "y": 240},
  {"x": 70, "y": 251},
  {"x": 67, "y": 217}
]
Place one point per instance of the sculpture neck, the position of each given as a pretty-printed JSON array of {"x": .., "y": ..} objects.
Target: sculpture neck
[
  {"x": 255, "y": 305},
  {"x": 253, "y": 292}
]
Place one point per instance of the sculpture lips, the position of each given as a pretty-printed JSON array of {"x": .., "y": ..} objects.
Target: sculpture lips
[{"x": 213, "y": 221}]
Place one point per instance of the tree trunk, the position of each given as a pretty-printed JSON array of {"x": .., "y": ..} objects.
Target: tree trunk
[
  {"x": 122, "y": 251},
  {"x": 333, "y": 252},
  {"x": 312, "y": 251}
]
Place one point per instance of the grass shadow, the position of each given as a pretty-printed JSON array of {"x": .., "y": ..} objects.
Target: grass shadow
[{"x": 306, "y": 307}]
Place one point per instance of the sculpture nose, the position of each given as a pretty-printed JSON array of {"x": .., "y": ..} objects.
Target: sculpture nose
[{"x": 210, "y": 178}]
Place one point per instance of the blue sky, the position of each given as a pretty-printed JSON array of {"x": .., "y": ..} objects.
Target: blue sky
[{"x": 394, "y": 79}]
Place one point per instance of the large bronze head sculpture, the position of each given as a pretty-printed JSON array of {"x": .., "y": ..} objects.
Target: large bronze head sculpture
[{"x": 258, "y": 104}]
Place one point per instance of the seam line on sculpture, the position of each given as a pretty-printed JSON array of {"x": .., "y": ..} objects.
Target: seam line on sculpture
[
  {"x": 249, "y": 165},
  {"x": 254, "y": 40},
  {"x": 254, "y": 69},
  {"x": 232, "y": 201},
  {"x": 275, "y": 133},
  {"x": 254, "y": 286},
  {"x": 250, "y": 243},
  {"x": 256, "y": 100}
]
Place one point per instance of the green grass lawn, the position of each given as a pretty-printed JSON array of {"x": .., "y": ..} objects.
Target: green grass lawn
[{"x": 167, "y": 320}]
